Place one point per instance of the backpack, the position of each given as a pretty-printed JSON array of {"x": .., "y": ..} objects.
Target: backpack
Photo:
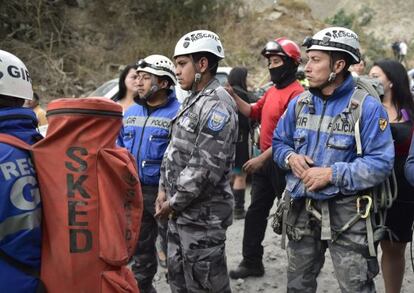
[
  {"x": 372, "y": 204},
  {"x": 91, "y": 198}
]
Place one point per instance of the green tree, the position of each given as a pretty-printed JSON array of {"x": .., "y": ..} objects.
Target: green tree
[{"x": 342, "y": 19}]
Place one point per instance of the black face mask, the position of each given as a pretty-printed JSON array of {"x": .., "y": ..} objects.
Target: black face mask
[
  {"x": 277, "y": 74},
  {"x": 283, "y": 75}
]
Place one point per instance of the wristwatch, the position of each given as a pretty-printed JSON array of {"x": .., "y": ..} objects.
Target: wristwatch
[{"x": 287, "y": 160}]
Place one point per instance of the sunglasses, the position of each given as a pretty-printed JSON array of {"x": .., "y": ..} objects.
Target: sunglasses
[{"x": 142, "y": 64}]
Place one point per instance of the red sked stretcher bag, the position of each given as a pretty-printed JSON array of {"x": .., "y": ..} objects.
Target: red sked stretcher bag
[{"x": 91, "y": 199}]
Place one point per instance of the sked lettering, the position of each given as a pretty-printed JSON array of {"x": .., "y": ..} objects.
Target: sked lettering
[{"x": 80, "y": 237}]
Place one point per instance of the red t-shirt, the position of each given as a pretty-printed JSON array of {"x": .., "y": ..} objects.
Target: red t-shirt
[{"x": 270, "y": 108}]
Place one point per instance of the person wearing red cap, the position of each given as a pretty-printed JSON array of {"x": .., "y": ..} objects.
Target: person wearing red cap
[{"x": 268, "y": 181}]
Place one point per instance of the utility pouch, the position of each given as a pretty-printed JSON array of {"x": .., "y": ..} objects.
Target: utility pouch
[
  {"x": 294, "y": 229},
  {"x": 282, "y": 208},
  {"x": 295, "y": 208}
]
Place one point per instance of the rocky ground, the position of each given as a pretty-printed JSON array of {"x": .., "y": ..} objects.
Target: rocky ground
[{"x": 274, "y": 280}]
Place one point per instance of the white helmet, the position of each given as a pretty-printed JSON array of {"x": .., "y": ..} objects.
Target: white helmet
[
  {"x": 199, "y": 41},
  {"x": 335, "y": 39},
  {"x": 158, "y": 65},
  {"x": 15, "y": 79}
]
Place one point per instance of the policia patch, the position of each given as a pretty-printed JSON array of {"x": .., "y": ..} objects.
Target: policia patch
[{"x": 383, "y": 123}]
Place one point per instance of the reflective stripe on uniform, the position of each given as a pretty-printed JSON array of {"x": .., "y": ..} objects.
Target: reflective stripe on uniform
[
  {"x": 26, "y": 221},
  {"x": 139, "y": 121},
  {"x": 311, "y": 122}
]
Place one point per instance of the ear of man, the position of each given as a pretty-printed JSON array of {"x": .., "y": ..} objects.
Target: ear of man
[
  {"x": 339, "y": 66},
  {"x": 163, "y": 83},
  {"x": 341, "y": 61},
  {"x": 203, "y": 64}
]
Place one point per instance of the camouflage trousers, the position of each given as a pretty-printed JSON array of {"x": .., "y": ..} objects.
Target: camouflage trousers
[
  {"x": 196, "y": 259},
  {"x": 354, "y": 268},
  {"x": 145, "y": 262}
]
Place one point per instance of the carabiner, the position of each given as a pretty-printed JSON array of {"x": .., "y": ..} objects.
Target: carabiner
[{"x": 368, "y": 205}]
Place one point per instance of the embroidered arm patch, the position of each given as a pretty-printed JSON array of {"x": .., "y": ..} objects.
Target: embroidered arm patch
[
  {"x": 217, "y": 120},
  {"x": 382, "y": 123}
]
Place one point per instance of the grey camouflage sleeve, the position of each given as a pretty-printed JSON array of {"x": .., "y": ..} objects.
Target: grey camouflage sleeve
[
  {"x": 211, "y": 157},
  {"x": 161, "y": 183}
]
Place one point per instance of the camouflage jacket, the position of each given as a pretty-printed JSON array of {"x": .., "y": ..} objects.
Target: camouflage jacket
[{"x": 198, "y": 161}]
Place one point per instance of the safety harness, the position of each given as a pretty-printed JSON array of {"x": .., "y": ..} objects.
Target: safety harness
[{"x": 371, "y": 204}]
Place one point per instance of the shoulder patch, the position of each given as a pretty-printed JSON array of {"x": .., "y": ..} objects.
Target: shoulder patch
[
  {"x": 383, "y": 123},
  {"x": 217, "y": 120}
]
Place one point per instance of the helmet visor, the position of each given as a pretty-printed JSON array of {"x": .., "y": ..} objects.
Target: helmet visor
[{"x": 273, "y": 47}]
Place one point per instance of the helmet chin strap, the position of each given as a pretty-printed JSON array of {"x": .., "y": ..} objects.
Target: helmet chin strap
[{"x": 154, "y": 88}]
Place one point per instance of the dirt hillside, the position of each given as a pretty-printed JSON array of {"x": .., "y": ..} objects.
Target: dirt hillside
[
  {"x": 73, "y": 46},
  {"x": 390, "y": 19}
]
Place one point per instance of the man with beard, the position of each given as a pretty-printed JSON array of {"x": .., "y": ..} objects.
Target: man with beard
[{"x": 268, "y": 181}]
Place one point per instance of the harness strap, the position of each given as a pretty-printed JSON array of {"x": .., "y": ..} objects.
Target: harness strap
[
  {"x": 347, "y": 225},
  {"x": 286, "y": 198},
  {"x": 326, "y": 221},
  {"x": 370, "y": 236},
  {"x": 323, "y": 217}
]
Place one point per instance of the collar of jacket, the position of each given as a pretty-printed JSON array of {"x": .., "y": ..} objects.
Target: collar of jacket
[
  {"x": 20, "y": 122},
  {"x": 344, "y": 89},
  {"x": 211, "y": 85}
]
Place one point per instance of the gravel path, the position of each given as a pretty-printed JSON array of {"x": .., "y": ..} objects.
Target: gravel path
[{"x": 274, "y": 280}]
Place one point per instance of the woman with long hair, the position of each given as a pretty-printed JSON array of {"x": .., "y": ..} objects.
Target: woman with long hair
[
  {"x": 128, "y": 86},
  {"x": 399, "y": 104},
  {"x": 237, "y": 79}
]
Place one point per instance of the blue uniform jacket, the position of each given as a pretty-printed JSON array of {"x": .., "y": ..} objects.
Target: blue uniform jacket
[
  {"x": 409, "y": 165},
  {"x": 145, "y": 134},
  {"x": 20, "y": 207},
  {"x": 350, "y": 173}
]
